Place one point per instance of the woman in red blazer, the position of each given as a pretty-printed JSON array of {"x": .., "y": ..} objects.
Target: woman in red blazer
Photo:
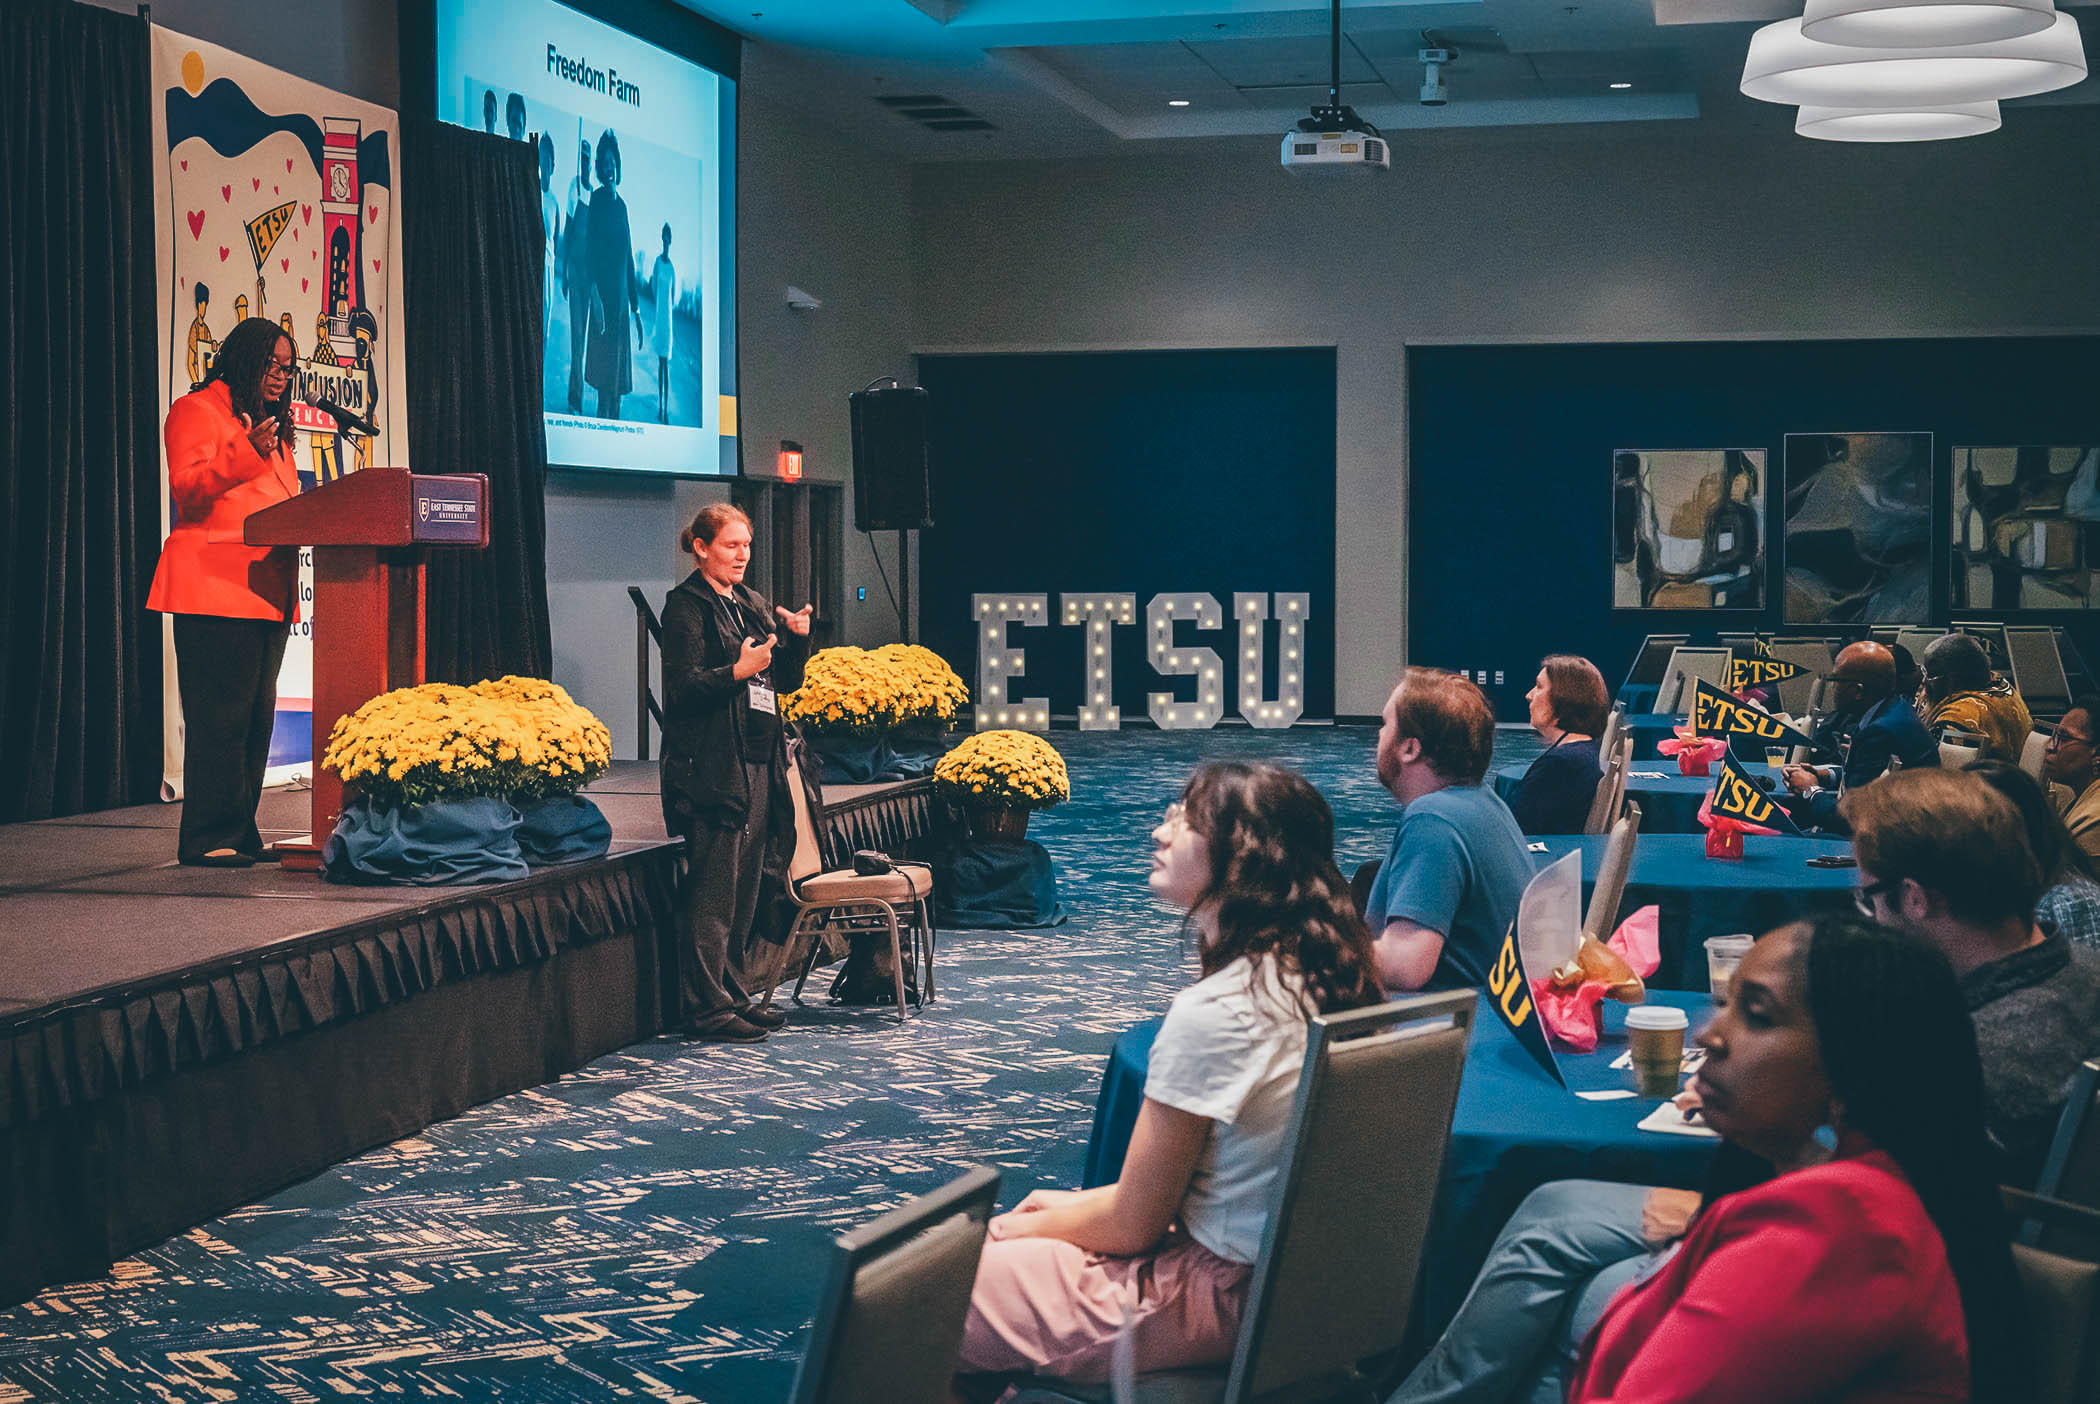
[
  {"x": 1874, "y": 1266},
  {"x": 230, "y": 452}
]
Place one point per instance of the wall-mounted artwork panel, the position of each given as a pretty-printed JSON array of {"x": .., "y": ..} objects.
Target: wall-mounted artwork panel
[
  {"x": 2026, "y": 528},
  {"x": 1858, "y": 528},
  {"x": 1688, "y": 529}
]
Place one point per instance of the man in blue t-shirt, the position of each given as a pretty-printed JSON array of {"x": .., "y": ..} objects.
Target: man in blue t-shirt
[{"x": 1450, "y": 885}]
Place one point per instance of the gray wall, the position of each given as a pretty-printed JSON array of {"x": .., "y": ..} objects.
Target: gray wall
[
  {"x": 1676, "y": 231},
  {"x": 816, "y": 211}
]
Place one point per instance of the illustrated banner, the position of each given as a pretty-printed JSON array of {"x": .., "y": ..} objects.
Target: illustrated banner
[{"x": 275, "y": 197}]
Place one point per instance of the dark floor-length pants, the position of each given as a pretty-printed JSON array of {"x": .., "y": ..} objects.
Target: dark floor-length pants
[
  {"x": 717, "y": 905},
  {"x": 227, "y": 670}
]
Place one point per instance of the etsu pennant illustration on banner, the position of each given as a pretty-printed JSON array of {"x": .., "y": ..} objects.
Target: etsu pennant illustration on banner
[
  {"x": 265, "y": 227},
  {"x": 1756, "y": 671},
  {"x": 1715, "y": 713},
  {"x": 1736, "y": 796}
]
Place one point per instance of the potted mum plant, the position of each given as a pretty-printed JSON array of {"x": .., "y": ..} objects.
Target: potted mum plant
[{"x": 998, "y": 778}]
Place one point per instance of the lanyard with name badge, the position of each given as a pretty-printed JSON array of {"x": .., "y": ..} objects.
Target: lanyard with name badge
[{"x": 760, "y": 691}]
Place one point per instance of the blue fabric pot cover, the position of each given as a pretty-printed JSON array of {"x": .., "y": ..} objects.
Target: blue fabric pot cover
[
  {"x": 562, "y": 829},
  {"x": 450, "y": 841},
  {"x": 996, "y": 884},
  {"x": 913, "y": 754},
  {"x": 845, "y": 760}
]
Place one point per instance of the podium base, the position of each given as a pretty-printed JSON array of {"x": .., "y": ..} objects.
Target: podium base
[{"x": 298, "y": 855}]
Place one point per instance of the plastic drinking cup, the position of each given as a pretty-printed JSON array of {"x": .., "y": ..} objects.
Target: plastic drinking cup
[{"x": 1723, "y": 955}]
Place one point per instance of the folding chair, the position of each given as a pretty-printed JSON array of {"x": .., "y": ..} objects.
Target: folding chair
[
  {"x": 1815, "y": 658},
  {"x": 1648, "y": 664},
  {"x": 844, "y": 903},
  {"x": 891, "y": 1317},
  {"x": 1611, "y": 790},
  {"x": 1335, "y": 1280},
  {"x": 2034, "y": 752},
  {"x": 1610, "y": 887},
  {"x": 1607, "y": 744},
  {"x": 2060, "y": 1292},
  {"x": 1674, "y": 694},
  {"x": 2038, "y": 669}
]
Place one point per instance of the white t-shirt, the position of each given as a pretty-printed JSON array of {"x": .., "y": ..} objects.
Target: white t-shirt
[{"x": 1231, "y": 1049}]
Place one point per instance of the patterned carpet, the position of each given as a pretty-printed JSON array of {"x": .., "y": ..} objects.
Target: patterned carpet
[{"x": 654, "y": 1225}]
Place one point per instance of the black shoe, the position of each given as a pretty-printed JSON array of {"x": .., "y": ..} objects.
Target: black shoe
[
  {"x": 765, "y": 1017},
  {"x": 221, "y": 858},
  {"x": 732, "y": 1029}
]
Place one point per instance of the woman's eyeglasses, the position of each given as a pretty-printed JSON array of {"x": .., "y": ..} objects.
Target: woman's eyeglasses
[
  {"x": 1176, "y": 813},
  {"x": 1863, "y": 897}
]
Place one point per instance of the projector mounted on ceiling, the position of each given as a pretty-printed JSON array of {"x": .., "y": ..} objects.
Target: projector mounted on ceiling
[{"x": 1334, "y": 137}]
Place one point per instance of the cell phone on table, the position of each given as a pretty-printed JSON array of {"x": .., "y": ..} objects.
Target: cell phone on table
[{"x": 1833, "y": 860}]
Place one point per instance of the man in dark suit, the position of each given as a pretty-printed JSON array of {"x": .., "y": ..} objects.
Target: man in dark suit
[{"x": 1885, "y": 728}]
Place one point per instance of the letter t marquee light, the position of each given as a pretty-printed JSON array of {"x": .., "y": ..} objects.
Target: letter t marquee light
[
  {"x": 1099, "y": 712},
  {"x": 996, "y": 663},
  {"x": 1248, "y": 611}
]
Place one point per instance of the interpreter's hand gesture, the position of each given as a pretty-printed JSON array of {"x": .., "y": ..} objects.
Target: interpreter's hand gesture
[
  {"x": 262, "y": 434},
  {"x": 798, "y": 622},
  {"x": 756, "y": 657}
]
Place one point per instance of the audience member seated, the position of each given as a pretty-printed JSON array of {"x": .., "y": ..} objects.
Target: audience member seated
[
  {"x": 1450, "y": 884},
  {"x": 1943, "y": 857},
  {"x": 2070, "y": 901},
  {"x": 2073, "y": 761},
  {"x": 1874, "y": 1264},
  {"x": 1881, "y": 724},
  {"x": 1966, "y": 696},
  {"x": 1248, "y": 855},
  {"x": 1568, "y": 711}
]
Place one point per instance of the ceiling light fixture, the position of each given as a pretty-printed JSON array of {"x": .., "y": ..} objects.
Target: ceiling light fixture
[
  {"x": 1617, "y": 86},
  {"x": 1898, "y": 124},
  {"x": 1177, "y": 102},
  {"x": 1783, "y": 66},
  {"x": 1910, "y": 24}
]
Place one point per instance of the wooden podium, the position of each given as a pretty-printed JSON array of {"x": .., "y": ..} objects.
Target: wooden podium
[{"x": 370, "y": 532}]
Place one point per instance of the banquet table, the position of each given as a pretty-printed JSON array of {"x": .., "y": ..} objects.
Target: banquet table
[
  {"x": 1669, "y": 801},
  {"x": 1513, "y": 1130},
  {"x": 1649, "y": 729},
  {"x": 1771, "y": 884}
]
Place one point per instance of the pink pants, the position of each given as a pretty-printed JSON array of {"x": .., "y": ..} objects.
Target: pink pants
[{"x": 1045, "y": 1306}]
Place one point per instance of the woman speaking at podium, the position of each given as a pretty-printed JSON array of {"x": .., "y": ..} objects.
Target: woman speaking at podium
[{"x": 230, "y": 447}]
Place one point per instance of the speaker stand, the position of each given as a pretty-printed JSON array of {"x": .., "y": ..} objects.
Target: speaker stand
[{"x": 904, "y": 584}]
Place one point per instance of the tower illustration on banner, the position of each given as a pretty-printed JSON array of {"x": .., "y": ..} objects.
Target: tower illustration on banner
[{"x": 343, "y": 321}]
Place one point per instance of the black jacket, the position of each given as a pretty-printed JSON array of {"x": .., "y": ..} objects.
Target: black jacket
[{"x": 704, "y": 715}]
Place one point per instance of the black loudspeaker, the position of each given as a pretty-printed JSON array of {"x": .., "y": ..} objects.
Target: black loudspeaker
[{"x": 892, "y": 487}]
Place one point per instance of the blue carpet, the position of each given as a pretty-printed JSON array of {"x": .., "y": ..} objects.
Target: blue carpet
[{"x": 655, "y": 1224}]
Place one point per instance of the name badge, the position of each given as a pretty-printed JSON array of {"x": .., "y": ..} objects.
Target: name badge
[{"x": 762, "y": 698}]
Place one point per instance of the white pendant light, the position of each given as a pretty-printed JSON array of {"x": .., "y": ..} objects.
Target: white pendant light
[
  {"x": 1923, "y": 24},
  {"x": 1782, "y": 66},
  {"x": 1897, "y": 124}
]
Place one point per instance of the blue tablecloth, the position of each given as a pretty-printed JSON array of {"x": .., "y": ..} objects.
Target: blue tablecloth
[
  {"x": 1513, "y": 1130},
  {"x": 1669, "y": 805},
  {"x": 1771, "y": 884}
]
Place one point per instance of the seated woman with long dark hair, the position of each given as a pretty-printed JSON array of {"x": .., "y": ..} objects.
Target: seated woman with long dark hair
[
  {"x": 1569, "y": 707},
  {"x": 1874, "y": 1263},
  {"x": 1248, "y": 855}
]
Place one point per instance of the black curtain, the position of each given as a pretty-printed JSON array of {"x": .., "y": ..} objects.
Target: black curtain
[
  {"x": 471, "y": 216},
  {"x": 80, "y": 708}
]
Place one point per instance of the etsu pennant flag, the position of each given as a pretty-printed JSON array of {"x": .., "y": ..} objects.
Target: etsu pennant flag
[
  {"x": 1715, "y": 713},
  {"x": 1509, "y": 985},
  {"x": 1736, "y": 796},
  {"x": 1755, "y": 672}
]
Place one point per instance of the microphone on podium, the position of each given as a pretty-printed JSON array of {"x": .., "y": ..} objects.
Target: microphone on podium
[{"x": 345, "y": 419}]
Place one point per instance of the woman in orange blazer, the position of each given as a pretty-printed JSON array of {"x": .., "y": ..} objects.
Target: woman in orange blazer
[{"x": 230, "y": 452}]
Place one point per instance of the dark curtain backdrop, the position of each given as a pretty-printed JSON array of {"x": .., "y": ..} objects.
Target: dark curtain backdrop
[
  {"x": 471, "y": 216},
  {"x": 79, "y": 460}
]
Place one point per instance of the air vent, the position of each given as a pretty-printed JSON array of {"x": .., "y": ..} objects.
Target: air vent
[
  {"x": 936, "y": 114},
  {"x": 1374, "y": 150}
]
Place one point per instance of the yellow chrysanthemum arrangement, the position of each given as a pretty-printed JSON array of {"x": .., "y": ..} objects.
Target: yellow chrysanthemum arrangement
[
  {"x": 863, "y": 692},
  {"x": 521, "y": 739},
  {"x": 1004, "y": 770}
]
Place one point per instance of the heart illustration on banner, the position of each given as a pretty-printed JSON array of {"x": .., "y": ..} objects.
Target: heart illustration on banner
[
  {"x": 295, "y": 236},
  {"x": 223, "y": 251},
  {"x": 375, "y": 265},
  {"x": 196, "y": 218},
  {"x": 185, "y": 165},
  {"x": 306, "y": 213},
  {"x": 371, "y": 214},
  {"x": 288, "y": 165},
  {"x": 255, "y": 181},
  {"x": 226, "y": 193},
  {"x": 285, "y": 264},
  {"x": 302, "y": 285},
  {"x": 277, "y": 190}
]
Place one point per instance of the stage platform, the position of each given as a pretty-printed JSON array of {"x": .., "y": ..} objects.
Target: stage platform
[{"x": 175, "y": 1042}]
